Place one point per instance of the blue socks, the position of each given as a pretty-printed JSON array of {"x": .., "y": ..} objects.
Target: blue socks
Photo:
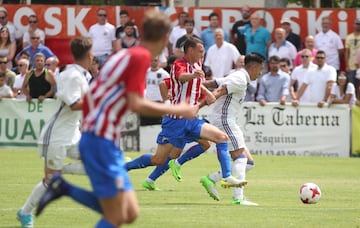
[
  {"x": 159, "y": 170},
  {"x": 104, "y": 224},
  {"x": 81, "y": 196},
  {"x": 224, "y": 158},
  {"x": 190, "y": 154},
  {"x": 139, "y": 162}
]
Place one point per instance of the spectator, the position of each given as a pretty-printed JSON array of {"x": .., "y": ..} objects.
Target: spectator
[
  {"x": 298, "y": 75},
  {"x": 129, "y": 39},
  {"x": 7, "y": 48},
  {"x": 257, "y": 38},
  {"x": 36, "y": 47},
  {"x": 178, "y": 31},
  {"x": 222, "y": 56},
  {"x": 318, "y": 81},
  {"x": 207, "y": 36},
  {"x": 310, "y": 45},
  {"x": 342, "y": 92},
  {"x": 10, "y": 75},
  {"x": 330, "y": 42},
  {"x": 285, "y": 65},
  {"x": 15, "y": 33},
  {"x": 239, "y": 28},
  {"x": 274, "y": 85},
  {"x": 281, "y": 47},
  {"x": 5, "y": 90},
  {"x": 290, "y": 36},
  {"x": 39, "y": 82},
  {"x": 94, "y": 68},
  {"x": 23, "y": 69},
  {"x": 33, "y": 27},
  {"x": 352, "y": 43},
  {"x": 154, "y": 75},
  {"x": 103, "y": 36},
  {"x": 120, "y": 30},
  {"x": 189, "y": 24}
]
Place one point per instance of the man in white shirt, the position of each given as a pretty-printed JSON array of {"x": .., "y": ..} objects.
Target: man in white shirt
[
  {"x": 222, "y": 56},
  {"x": 60, "y": 136},
  {"x": 329, "y": 42},
  {"x": 103, "y": 36},
  {"x": 282, "y": 48},
  {"x": 298, "y": 75},
  {"x": 33, "y": 23},
  {"x": 318, "y": 81}
]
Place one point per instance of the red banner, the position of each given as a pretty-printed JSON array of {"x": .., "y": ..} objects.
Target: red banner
[{"x": 61, "y": 23}]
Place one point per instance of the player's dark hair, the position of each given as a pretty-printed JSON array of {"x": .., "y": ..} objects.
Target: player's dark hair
[
  {"x": 254, "y": 57},
  {"x": 80, "y": 47},
  {"x": 191, "y": 42}
]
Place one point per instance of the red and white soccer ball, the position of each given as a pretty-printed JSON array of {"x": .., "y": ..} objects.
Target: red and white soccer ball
[{"x": 310, "y": 193}]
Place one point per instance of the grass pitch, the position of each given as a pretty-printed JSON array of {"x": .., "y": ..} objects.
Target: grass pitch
[{"x": 274, "y": 183}]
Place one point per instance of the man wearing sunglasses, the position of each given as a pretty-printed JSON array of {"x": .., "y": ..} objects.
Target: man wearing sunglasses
[
  {"x": 15, "y": 33},
  {"x": 33, "y": 22}
]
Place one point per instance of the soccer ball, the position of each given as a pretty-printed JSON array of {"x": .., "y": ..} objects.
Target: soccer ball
[{"x": 310, "y": 193}]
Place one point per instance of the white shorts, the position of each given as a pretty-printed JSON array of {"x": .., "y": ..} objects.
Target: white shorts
[
  {"x": 55, "y": 155},
  {"x": 236, "y": 136}
]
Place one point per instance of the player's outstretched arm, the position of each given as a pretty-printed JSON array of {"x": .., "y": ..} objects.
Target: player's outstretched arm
[{"x": 145, "y": 107}]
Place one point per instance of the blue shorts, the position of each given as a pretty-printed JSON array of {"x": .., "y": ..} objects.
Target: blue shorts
[
  {"x": 104, "y": 164},
  {"x": 178, "y": 132}
]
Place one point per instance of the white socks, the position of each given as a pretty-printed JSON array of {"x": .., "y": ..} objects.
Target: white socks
[
  {"x": 239, "y": 171},
  {"x": 34, "y": 198},
  {"x": 73, "y": 168}
]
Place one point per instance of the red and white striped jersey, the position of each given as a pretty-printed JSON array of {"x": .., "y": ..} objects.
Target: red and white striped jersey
[
  {"x": 106, "y": 102},
  {"x": 181, "y": 91}
]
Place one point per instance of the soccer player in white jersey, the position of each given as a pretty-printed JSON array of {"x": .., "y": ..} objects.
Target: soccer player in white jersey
[
  {"x": 60, "y": 136},
  {"x": 119, "y": 87}
]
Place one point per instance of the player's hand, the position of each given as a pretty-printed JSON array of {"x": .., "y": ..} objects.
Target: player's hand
[
  {"x": 199, "y": 73},
  {"x": 295, "y": 103}
]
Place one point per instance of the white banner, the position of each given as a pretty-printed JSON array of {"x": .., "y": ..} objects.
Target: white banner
[
  {"x": 270, "y": 130},
  {"x": 21, "y": 121},
  {"x": 284, "y": 130}
]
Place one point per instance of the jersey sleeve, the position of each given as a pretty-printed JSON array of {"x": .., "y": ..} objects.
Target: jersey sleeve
[
  {"x": 70, "y": 88},
  {"x": 235, "y": 83},
  {"x": 135, "y": 73},
  {"x": 179, "y": 68}
]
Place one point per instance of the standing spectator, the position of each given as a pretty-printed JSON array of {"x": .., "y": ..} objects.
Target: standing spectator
[
  {"x": 208, "y": 35},
  {"x": 52, "y": 64},
  {"x": 94, "y": 68},
  {"x": 154, "y": 75},
  {"x": 5, "y": 90},
  {"x": 239, "y": 28},
  {"x": 103, "y": 36},
  {"x": 352, "y": 43},
  {"x": 310, "y": 45},
  {"x": 23, "y": 69},
  {"x": 285, "y": 65},
  {"x": 274, "y": 85},
  {"x": 120, "y": 30},
  {"x": 36, "y": 47},
  {"x": 189, "y": 27},
  {"x": 39, "y": 82},
  {"x": 222, "y": 56},
  {"x": 257, "y": 38},
  {"x": 10, "y": 75},
  {"x": 33, "y": 27},
  {"x": 318, "y": 81},
  {"x": 129, "y": 39},
  {"x": 290, "y": 35},
  {"x": 7, "y": 48},
  {"x": 298, "y": 75},
  {"x": 342, "y": 92},
  {"x": 178, "y": 31},
  {"x": 330, "y": 42},
  {"x": 281, "y": 47},
  {"x": 15, "y": 33}
]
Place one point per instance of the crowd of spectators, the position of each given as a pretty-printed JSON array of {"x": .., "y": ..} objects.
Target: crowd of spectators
[{"x": 296, "y": 70}]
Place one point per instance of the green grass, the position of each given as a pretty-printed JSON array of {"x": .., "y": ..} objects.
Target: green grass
[{"x": 273, "y": 183}]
